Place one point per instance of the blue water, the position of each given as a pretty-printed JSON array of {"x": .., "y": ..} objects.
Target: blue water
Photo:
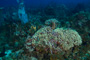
[{"x": 6, "y": 3}]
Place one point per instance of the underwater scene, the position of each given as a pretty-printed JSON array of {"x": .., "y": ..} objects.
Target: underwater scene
[{"x": 44, "y": 29}]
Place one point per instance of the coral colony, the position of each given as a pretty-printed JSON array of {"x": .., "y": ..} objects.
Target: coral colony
[{"x": 56, "y": 40}]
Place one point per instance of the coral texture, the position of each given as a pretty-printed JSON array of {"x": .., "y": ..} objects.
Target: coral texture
[
  {"x": 51, "y": 40},
  {"x": 68, "y": 38}
]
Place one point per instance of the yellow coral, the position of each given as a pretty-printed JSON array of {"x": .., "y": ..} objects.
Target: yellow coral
[{"x": 33, "y": 27}]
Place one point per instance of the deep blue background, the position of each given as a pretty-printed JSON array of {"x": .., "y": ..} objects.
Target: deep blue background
[{"x": 6, "y": 3}]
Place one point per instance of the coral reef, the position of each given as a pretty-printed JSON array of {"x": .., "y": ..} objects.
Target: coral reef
[{"x": 51, "y": 33}]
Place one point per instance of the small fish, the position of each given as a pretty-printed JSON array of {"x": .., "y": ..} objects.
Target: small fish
[{"x": 3, "y": 52}]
